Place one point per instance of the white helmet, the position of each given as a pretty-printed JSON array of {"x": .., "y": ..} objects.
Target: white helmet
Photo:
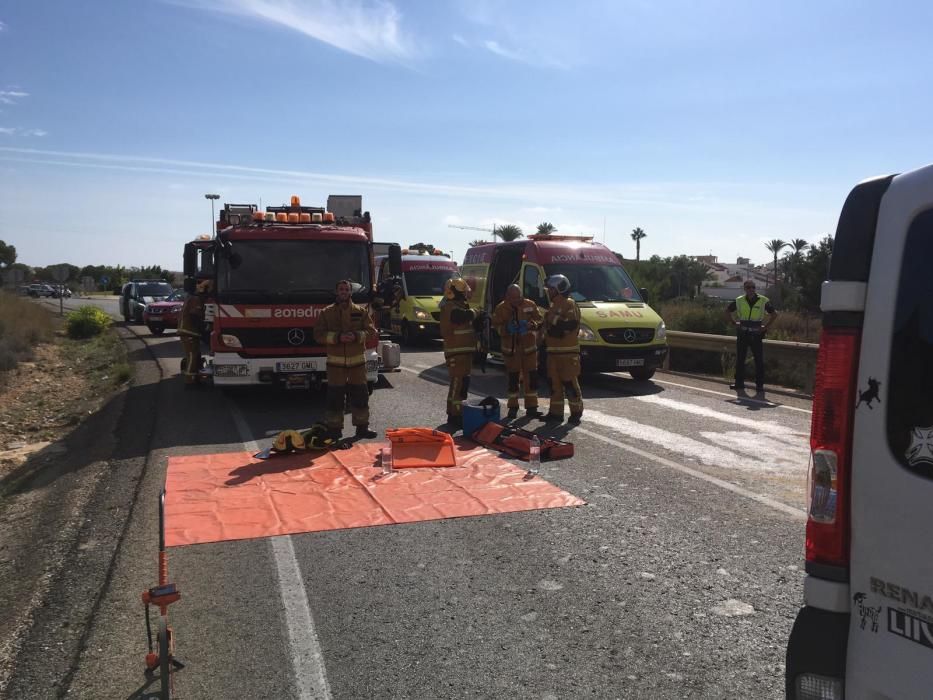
[{"x": 559, "y": 283}]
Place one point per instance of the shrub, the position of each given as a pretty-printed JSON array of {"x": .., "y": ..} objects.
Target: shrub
[{"x": 87, "y": 322}]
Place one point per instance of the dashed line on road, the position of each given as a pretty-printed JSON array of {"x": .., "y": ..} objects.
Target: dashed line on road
[
  {"x": 307, "y": 658},
  {"x": 796, "y": 513}
]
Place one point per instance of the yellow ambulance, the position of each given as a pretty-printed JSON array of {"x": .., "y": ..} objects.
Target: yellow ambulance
[
  {"x": 619, "y": 332},
  {"x": 414, "y": 314}
]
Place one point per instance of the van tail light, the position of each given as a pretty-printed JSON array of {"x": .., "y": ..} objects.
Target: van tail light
[
  {"x": 834, "y": 399},
  {"x": 372, "y": 341}
]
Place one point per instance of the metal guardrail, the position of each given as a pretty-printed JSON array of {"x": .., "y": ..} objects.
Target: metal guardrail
[{"x": 803, "y": 353}]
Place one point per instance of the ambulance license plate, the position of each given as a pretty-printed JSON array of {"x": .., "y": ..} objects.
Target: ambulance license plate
[
  {"x": 630, "y": 363},
  {"x": 295, "y": 366}
]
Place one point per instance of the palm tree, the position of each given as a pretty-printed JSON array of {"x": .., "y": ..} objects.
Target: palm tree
[
  {"x": 637, "y": 235},
  {"x": 775, "y": 246},
  {"x": 796, "y": 258},
  {"x": 509, "y": 232},
  {"x": 478, "y": 242},
  {"x": 546, "y": 228}
]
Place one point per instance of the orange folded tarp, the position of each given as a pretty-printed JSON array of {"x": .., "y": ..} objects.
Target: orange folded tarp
[{"x": 232, "y": 496}]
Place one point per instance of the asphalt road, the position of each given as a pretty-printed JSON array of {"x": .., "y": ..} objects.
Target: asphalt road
[{"x": 679, "y": 578}]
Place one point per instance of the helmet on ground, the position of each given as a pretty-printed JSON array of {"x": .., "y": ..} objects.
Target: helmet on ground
[
  {"x": 456, "y": 287},
  {"x": 559, "y": 283},
  {"x": 318, "y": 437},
  {"x": 288, "y": 441}
]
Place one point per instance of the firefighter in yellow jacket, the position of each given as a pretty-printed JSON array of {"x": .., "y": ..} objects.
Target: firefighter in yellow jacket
[
  {"x": 459, "y": 334},
  {"x": 344, "y": 328},
  {"x": 562, "y": 323},
  {"x": 517, "y": 320},
  {"x": 190, "y": 327}
]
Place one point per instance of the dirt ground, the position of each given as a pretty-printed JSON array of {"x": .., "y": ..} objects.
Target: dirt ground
[{"x": 41, "y": 401}]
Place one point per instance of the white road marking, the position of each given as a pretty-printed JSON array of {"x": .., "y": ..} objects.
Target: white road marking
[
  {"x": 764, "y": 426},
  {"x": 307, "y": 658},
  {"x": 732, "y": 396},
  {"x": 764, "y": 500},
  {"x": 639, "y": 431}
]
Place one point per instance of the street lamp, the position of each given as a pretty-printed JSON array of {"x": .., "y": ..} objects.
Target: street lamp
[{"x": 212, "y": 197}]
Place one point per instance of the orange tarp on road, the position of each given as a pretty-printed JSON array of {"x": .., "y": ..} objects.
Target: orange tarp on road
[{"x": 232, "y": 496}]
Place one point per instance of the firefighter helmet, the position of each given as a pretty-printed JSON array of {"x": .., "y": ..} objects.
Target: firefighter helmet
[
  {"x": 559, "y": 283},
  {"x": 456, "y": 287},
  {"x": 288, "y": 441}
]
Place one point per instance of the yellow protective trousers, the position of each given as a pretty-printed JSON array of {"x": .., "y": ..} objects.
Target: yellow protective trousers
[
  {"x": 563, "y": 370},
  {"x": 522, "y": 371},
  {"x": 459, "y": 367},
  {"x": 341, "y": 383},
  {"x": 191, "y": 345}
]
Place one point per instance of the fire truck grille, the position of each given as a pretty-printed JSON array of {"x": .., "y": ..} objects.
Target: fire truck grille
[
  {"x": 626, "y": 336},
  {"x": 261, "y": 338}
]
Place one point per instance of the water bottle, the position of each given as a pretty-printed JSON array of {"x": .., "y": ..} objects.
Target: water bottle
[
  {"x": 534, "y": 456},
  {"x": 386, "y": 460}
]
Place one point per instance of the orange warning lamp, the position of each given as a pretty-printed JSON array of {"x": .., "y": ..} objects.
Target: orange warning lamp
[
  {"x": 281, "y": 217},
  {"x": 258, "y": 216},
  {"x": 329, "y": 216},
  {"x": 293, "y": 217},
  {"x": 304, "y": 217},
  {"x": 296, "y": 200}
]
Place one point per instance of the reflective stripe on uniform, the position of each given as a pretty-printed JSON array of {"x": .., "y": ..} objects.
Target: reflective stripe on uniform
[
  {"x": 331, "y": 338},
  {"x": 341, "y": 361},
  {"x": 561, "y": 350},
  {"x": 458, "y": 351},
  {"x": 462, "y": 331}
]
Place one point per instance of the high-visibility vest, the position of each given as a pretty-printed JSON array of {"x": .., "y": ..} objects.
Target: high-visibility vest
[{"x": 751, "y": 315}]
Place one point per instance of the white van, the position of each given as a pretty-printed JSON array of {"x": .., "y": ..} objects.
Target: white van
[{"x": 866, "y": 630}]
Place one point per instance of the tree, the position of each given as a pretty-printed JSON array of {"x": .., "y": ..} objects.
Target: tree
[
  {"x": 775, "y": 246},
  {"x": 478, "y": 242},
  {"x": 637, "y": 235},
  {"x": 509, "y": 232},
  {"x": 7, "y": 254},
  {"x": 546, "y": 228},
  {"x": 793, "y": 260},
  {"x": 813, "y": 271}
]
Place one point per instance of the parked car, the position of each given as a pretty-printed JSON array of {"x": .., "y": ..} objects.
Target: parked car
[
  {"x": 60, "y": 290},
  {"x": 41, "y": 290},
  {"x": 160, "y": 315},
  {"x": 135, "y": 295},
  {"x": 866, "y": 628}
]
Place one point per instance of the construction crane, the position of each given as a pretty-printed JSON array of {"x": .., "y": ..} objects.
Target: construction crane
[{"x": 476, "y": 228}]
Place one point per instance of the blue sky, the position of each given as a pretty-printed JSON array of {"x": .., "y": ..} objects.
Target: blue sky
[{"x": 714, "y": 126}]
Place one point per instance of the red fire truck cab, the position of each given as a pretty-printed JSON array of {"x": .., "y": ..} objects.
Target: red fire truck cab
[{"x": 274, "y": 271}]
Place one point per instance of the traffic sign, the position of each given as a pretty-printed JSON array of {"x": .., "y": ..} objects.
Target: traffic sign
[
  {"x": 60, "y": 273},
  {"x": 104, "y": 281}
]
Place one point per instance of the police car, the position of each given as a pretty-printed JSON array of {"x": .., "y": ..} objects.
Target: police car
[{"x": 866, "y": 628}]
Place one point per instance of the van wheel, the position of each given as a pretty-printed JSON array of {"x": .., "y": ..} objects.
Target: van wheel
[{"x": 641, "y": 374}]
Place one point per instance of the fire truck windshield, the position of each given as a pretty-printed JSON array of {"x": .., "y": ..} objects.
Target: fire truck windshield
[
  {"x": 292, "y": 271},
  {"x": 597, "y": 282}
]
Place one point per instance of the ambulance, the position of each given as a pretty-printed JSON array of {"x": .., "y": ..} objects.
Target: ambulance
[
  {"x": 416, "y": 314},
  {"x": 866, "y": 627},
  {"x": 619, "y": 331}
]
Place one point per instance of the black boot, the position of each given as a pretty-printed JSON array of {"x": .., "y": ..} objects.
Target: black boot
[
  {"x": 533, "y": 413},
  {"x": 513, "y": 412},
  {"x": 363, "y": 432},
  {"x": 455, "y": 421},
  {"x": 575, "y": 418}
]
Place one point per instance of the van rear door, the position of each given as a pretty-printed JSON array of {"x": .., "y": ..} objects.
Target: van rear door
[{"x": 890, "y": 651}]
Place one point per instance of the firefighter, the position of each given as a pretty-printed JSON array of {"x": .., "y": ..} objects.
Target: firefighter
[
  {"x": 516, "y": 320},
  {"x": 459, "y": 334},
  {"x": 190, "y": 327},
  {"x": 562, "y": 323},
  {"x": 344, "y": 327}
]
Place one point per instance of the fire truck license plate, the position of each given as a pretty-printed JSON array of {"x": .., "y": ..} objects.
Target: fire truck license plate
[
  {"x": 295, "y": 366},
  {"x": 630, "y": 363}
]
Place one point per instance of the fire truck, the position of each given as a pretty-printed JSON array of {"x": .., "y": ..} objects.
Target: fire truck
[{"x": 274, "y": 272}]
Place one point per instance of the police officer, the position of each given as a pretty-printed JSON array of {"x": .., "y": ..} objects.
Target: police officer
[
  {"x": 459, "y": 335},
  {"x": 562, "y": 323},
  {"x": 344, "y": 327},
  {"x": 747, "y": 312},
  {"x": 516, "y": 320},
  {"x": 191, "y": 326}
]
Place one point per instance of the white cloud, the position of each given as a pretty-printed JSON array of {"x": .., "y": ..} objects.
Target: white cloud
[
  {"x": 367, "y": 28},
  {"x": 9, "y": 97},
  {"x": 12, "y": 130},
  {"x": 2, "y": 26},
  {"x": 35, "y": 132},
  {"x": 7, "y": 130},
  {"x": 521, "y": 57},
  {"x": 460, "y": 40}
]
